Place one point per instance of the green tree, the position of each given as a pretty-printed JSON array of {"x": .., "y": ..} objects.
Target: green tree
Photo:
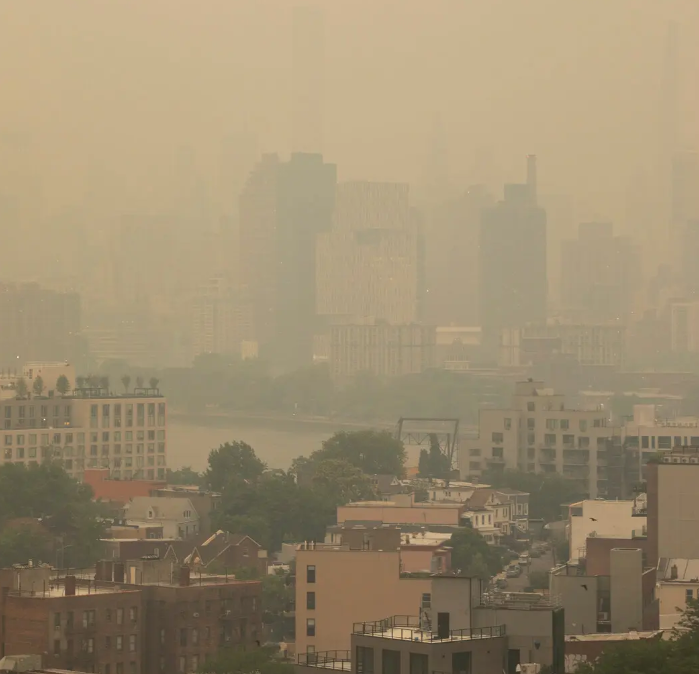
[
  {"x": 277, "y": 597},
  {"x": 126, "y": 382},
  {"x": 22, "y": 544},
  {"x": 153, "y": 382},
  {"x": 246, "y": 661},
  {"x": 80, "y": 381},
  {"x": 341, "y": 481},
  {"x": 434, "y": 463},
  {"x": 62, "y": 385},
  {"x": 184, "y": 476},
  {"x": 424, "y": 467},
  {"x": 21, "y": 388},
  {"x": 232, "y": 461},
  {"x": 471, "y": 554},
  {"x": 38, "y": 386},
  {"x": 373, "y": 452}
]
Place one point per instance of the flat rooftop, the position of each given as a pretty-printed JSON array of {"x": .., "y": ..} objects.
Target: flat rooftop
[
  {"x": 410, "y": 628},
  {"x": 615, "y": 636},
  {"x": 393, "y": 504}
]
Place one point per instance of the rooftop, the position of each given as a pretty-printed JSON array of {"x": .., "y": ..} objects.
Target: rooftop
[
  {"x": 393, "y": 504},
  {"x": 615, "y": 636},
  {"x": 341, "y": 660},
  {"x": 678, "y": 570},
  {"x": 411, "y": 628}
]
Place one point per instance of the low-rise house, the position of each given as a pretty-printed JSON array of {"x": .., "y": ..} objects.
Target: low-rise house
[
  {"x": 402, "y": 509},
  {"x": 386, "y": 486},
  {"x": 583, "y": 649},
  {"x": 678, "y": 582},
  {"x": 177, "y": 516}
]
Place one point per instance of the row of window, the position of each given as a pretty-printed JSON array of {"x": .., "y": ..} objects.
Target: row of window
[
  {"x": 89, "y": 618},
  {"x": 43, "y": 411},
  {"x": 69, "y": 438},
  {"x": 551, "y": 424},
  {"x": 88, "y": 645},
  {"x": 109, "y": 419},
  {"x": 128, "y": 448}
]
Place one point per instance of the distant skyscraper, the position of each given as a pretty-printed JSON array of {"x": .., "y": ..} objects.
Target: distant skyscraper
[
  {"x": 214, "y": 313},
  {"x": 599, "y": 273},
  {"x": 308, "y": 75},
  {"x": 512, "y": 264},
  {"x": 283, "y": 208},
  {"x": 685, "y": 189},
  {"x": 370, "y": 263}
]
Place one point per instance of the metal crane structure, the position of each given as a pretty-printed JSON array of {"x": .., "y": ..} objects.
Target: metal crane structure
[{"x": 419, "y": 432}]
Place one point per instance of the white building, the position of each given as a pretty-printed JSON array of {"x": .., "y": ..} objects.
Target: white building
[
  {"x": 539, "y": 434},
  {"x": 610, "y": 519},
  {"x": 177, "y": 516}
]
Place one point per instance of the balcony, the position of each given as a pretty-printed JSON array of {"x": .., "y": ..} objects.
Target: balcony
[
  {"x": 339, "y": 660},
  {"x": 411, "y": 628}
]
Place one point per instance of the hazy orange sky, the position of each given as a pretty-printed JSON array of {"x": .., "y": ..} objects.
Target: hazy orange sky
[{"x": 120, "y": 86}]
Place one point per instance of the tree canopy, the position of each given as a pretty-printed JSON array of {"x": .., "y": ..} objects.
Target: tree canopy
[
  {"x": 472, "y": 555},
  {"x": 232, "y": 461},
  {"x": 62, "y": 511},
  {"x": 246, "y": 661},
  {"x": 433, "y": 463},
  {"x": 548, "y": 492},
  {"x": 372, "y": 452}
]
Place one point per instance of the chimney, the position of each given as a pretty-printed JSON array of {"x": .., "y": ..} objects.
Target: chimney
[
  {"x": 70, "y": 585},
  {"x": 184, "y": 576},
  {"x": 531, "y": 178},
  {"x": 119, "y": 572}
]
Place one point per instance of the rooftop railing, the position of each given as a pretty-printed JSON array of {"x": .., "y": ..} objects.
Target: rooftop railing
[
  {"x": 409, "y": 628},
  {"x": 326, "y": 659}
]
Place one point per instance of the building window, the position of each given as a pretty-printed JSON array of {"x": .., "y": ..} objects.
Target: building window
[
  {"x": 497, "y": 452},
  {"x": 88, "y": 618},
  {"x": 132, "y": 643},
  {"x": 550, "y": 439},
  {"x": 507, "y": 423},
  {"x": 107, "y": 643},
  {"x": 583, "y": 425},
  {"x": 311, "y": 573},
  {"x": 426, "y": 601},
  {"x": 182, "y": 664},
  {"x": 56, "y": 619},
  {"x": 310, "y": 600},
  {"x": 119, "y": 668},
  {"x": 565, "y": 424},
  {"x": 120, "y": 643},
  {"x": 418, "y": 663},
  {"x": 498, "y": 438},
  {"x": 133, "y": 614},
  {"x": 531, "y": 438},
  {"x": 688, "y": 595},
  {"x": 475, "y": 452},
  {"x": 664, "y": 442},
  {"x": 390, "y": 661},
  {"x": 195, "y": 637},
  {"x": 310, "y": 627},
  {"x": 195, "y": 663},
  {"x": 183, "y": 637},
  {"x": 133, "y": 669},
  {"x": 531, "y": 423},
  {"x": 56, "y": 646},
  {"x": 583, "y": 442},
  {"x": 120, "y": 616},
  {"x": 552, "y": 424},
  {"x": 531, "y": 407},
  {"x": 365, "y": 660}
]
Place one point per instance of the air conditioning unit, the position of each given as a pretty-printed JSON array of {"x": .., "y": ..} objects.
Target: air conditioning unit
[
  {"x": 675, "y": 459},
  {"x": 228, "y": 612},
  {"x": 603, "y": 616},
  {"x": 685, "y": 459},
  {"x": 694, "y": 459},
  {"x": 195, "y": 615}
]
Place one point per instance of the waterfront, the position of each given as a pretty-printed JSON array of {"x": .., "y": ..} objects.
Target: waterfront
[{"x": 277, "y": 441}]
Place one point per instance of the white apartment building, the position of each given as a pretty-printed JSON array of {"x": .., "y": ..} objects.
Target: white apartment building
[
  {"x": 539, "y": 434},
  {"x": 127, "y": 434},
  {"x": 649, "y": 434}
]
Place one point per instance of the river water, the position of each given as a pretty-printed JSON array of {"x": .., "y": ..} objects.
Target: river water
[{"x": 276, "y": 441}]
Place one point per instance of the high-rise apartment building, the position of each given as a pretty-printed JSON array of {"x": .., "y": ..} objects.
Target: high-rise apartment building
[
  {"x": 283, "y": 209},
  {"x": 600, "y": 274},
  {"x": 215, "y": 318},
  {"x": 371, "y": 264},
  {"x": 382, "y": 349},
  {"x": 38, "y": 325},
  {"x": 512, "y": 263},
  {"x": 93, "y": 429}
]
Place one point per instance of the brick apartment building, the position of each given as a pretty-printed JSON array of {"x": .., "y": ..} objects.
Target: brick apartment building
[{"x": 146, "y": 616}]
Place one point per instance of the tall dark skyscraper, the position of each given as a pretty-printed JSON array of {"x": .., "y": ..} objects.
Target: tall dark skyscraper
[
  {"x": 283, "y": 208},
  {"x": 308, "y": 79},
  {"x": 512, "y": 261}
]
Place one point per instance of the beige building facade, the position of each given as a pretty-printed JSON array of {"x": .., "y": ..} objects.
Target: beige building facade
[
  {"x": 336, "y": 587},
  {"x": 539, "y": 434},
  {"x": 127, "y": 434}
]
